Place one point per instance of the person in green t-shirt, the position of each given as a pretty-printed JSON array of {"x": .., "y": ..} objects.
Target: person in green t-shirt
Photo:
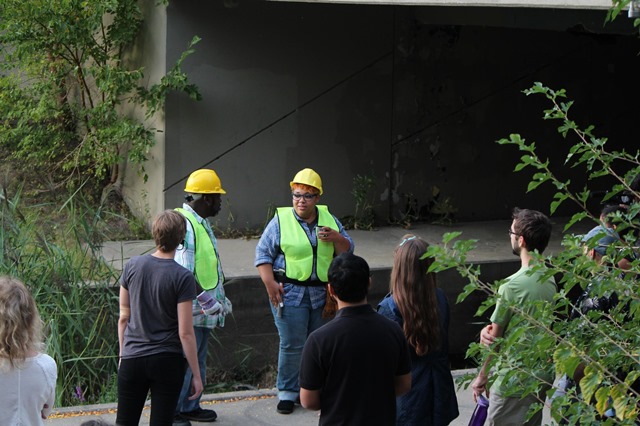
[{"x": 530, "y": 231}]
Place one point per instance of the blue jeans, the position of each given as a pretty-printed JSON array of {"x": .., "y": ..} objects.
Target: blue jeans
[
  {"x": 295, "y": 324},
  {"x": 202, "y": 342},
  {"x": 162, "y": 374}
]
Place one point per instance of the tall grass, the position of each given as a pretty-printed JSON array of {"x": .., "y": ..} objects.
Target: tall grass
[{"x": 55, "y": 251}]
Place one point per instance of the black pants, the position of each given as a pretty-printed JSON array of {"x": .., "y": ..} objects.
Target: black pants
[{"x": 162, "y": 374}]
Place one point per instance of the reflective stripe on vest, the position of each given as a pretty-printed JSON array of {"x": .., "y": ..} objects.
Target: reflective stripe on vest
[
  {"x": 299, "y": 254},
  {"x": 206, "y": 256}
]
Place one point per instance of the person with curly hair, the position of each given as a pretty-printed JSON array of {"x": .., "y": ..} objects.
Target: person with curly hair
[{"x": 25, "y": 370}]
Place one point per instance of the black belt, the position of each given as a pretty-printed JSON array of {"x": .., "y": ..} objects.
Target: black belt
[{"x": 307, "y": 283}]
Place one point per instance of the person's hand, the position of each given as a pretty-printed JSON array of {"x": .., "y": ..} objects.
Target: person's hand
[
  {"x": 328, "y": 235},
  {"x": 479, "y": 386},
  {"x": 196, "y": 388},
  {"x": 486, "y": 338},
  {"x": 43, "y": 411},
  {"x": 275, "y": 290}
]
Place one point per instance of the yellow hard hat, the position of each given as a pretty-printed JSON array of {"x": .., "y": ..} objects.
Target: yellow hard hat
[
  {"x": 204, "y": 181},
  {"x": 308, "y": 177}
]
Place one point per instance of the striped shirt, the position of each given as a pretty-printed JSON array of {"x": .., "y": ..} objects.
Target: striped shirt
[{"x": 187, "y": 258}]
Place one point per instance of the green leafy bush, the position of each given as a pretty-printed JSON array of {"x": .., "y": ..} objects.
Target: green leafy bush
[
  {"x": 364, "y": 216},
  {"x": 606, "y": 344},
  {"x": 73, "y": 288},
  {"x": 66, "y": 80}
]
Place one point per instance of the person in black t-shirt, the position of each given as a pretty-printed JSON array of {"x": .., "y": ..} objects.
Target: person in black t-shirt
[{"x": 354, "y": 367}]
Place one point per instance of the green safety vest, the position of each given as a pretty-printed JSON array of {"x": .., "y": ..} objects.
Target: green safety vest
[
  {"x": 299, "y": 254},
  {"x": 206, "y": 256}
]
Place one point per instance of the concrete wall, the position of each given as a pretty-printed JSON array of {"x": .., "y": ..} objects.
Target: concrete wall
[
  {"x": 575, "y": 4},
  {"x": 414, "y": 96},
  {"x": 458, "y": 89},
  {"x": 250, "y": 340},
  {"x": 284, "y": 88},
  {"x": 145, "y": 198}
]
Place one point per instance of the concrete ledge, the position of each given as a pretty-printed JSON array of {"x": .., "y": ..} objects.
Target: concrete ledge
[
  {"x": 376, "y": 246},
  {"x": 249, "y": 338},
  {"x": 559, "y": 4}
]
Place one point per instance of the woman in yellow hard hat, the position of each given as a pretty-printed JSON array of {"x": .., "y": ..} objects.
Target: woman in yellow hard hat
[{"x": 293, "y": 257}]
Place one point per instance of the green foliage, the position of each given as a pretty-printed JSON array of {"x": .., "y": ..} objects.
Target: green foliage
[
  {"x": 617, "y": 8},
  {"x": 605, "y": 344},
  {"x": 65, "y": 81},
  {"x": 109, "y": 393},
  {"x": 439, "y": 209},
  {"x": 73, "y": 288},
  {"x": 364, "y": 216},
  {"x": 443, "y": 209},
  {"x": 410, "y": 213}
]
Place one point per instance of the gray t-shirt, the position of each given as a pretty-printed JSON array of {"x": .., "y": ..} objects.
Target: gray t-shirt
[{"x": 155, "y": 286}]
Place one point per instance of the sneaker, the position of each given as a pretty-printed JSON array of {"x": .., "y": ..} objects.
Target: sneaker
[
  {"x": 200, "y": 415},
  {"x": 178, "y": 420},
  {"x": 285, "y": 407}
]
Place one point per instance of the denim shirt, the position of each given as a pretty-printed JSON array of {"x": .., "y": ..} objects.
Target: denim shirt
[{"x": 268, "y": 251}]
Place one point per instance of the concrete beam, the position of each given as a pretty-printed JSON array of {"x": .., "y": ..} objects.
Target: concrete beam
[{"x": 549, "y": 4}]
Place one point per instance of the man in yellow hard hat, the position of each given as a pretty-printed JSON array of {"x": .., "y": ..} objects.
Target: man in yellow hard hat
[
  {"x": 293, "y": 258},
  {"x": 200, "y": 255}
]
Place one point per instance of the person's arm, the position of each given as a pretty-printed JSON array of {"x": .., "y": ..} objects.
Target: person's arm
[
  {"x": 479, "y": 385},
  {"x": 188, "y": 340},
  {"x": 266, "y": 253},
  {"x": 342, "y": 245},
  {"x": 275, "y": 290},
  {"x": 186, "y": 256},
  {"x": 310, "y": 399},
  {"x": 51, "y": 375},
  {"x": 486, "y": 336},
  {"x": 342, "y": 242},
  {"x": 125, "y": 313},
  {"x": 402, "y": 384},
  {"x": 47, "y": 408},
  {"x": 624, "y": 264}
]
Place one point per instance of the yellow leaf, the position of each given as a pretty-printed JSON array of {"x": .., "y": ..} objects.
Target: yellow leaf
[
  {"x": 602, "y": 399},
  {"x": 590, "y": 382},
  {"x": 620, "y": 401}
]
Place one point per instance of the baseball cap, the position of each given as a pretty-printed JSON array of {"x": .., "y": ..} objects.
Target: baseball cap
[{"x": 607, "y": 236}]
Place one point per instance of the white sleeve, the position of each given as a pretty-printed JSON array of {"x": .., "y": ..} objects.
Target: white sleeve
[{"x": 50, "y": 371}]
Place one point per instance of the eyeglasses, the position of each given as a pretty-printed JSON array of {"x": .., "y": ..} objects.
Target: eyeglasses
[
  {"x": 512, "y": 233},
  {"x": 306, "y": 196}
]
